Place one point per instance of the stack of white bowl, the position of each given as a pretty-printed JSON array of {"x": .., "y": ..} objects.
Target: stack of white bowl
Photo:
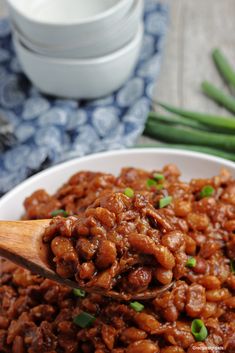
[{"x": 77, "y": 48}]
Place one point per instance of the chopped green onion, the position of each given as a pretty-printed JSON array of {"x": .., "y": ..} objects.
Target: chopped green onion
[
  {"x": 59, "y": 213},
  {"x": 137, "y": 306},
  {"x": 199, "y": 330},
  {"x": 207, "y": 191},
  {"x": 151, "y": 182},
  {"x": 232, "y": 266},
  {"x": 159, "y": 186},
  {"x": 165, "y": 201},
  {"x": 129, "y": 192},
  {"x": 79, "y": 292},
  {"x": 191, "y": 262},
  {"x": 158, "y": 176},
  {"x": 84, "y": 319}
]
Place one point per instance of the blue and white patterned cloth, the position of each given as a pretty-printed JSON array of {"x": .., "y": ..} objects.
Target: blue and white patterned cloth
[{"x": 51, "y": 130}]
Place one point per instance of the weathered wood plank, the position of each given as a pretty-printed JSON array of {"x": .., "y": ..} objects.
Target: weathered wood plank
[{"x": 196, "y": 28}]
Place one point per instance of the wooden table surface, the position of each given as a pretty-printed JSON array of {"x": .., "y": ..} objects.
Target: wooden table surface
[{"x": 195, "y": 28}]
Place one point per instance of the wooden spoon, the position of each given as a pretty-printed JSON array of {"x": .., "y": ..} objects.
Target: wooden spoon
[{"x": 21, "y": 242}]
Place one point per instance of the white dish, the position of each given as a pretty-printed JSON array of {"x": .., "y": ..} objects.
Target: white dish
[
  {"x": 80, "y": 78},
  {"x": 191, "y": 164},
  {"x": 98, "y": 44},
  {"x": 64, "y": 22}
]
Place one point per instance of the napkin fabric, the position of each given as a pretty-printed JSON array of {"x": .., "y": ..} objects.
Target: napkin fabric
[{"x": 50, "y": 130}]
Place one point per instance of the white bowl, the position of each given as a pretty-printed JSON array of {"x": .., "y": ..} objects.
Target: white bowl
[
  {"x": 99, "y": 44},
  {"x": 65, "y": 22},
  {"x": 80, "y": 78},
  {"x": 191, "y": 164}
]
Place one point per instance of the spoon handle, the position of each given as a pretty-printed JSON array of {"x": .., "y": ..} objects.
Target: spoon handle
[{"x": 21, "y": 242}]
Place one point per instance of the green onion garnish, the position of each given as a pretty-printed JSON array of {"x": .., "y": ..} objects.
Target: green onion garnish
[
  {"x": 79, "y": 292},
  {"x": 199, "y": 330},
  {"x": 151, "y": 182},
  {"x": 207, "y": 191},
  {"x": 158, "y": 176},
  {"x": 191, "y": 262},
  {"x": 59, "y": 212},
  {"x": 159, "y": 186},
  {"x": 84, "y": 319},
  {"x": 165, "y": 201},
  {"x": 232, "y": 266},
  {"x": 137, "y": 306},
  {"x": 129, "y": 192}
]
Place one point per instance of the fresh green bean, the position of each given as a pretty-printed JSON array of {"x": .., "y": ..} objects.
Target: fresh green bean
[
  {"x": 177, "y": 120},
  {"x": 202, "y": 149},
  {"x": 224, "y": 67},
  {"x": 217, "y": 121},
  {"x": 189, "y": 136},
  {"x": 218, "y": 96}
]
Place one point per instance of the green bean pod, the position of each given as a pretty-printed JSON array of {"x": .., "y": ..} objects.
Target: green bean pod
[
  {"x": 224, "y": 67},
  {"x": 219, "y": 96},
  {"x": 202, "y": 149},
  {"x": 215, "y": 121},
  {"x": 174, "y": 119},
  {"x": 190, "y": 136}
]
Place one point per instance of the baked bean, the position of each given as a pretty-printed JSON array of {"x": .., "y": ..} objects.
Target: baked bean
[
  {"x": 139, "y": 278},
  {"x": 210, "y": 282},
  {"x": 105, "y": 217},
  {"x": 180, "y": 292},
  {"x": 173, "y": 240},
  {"x": 231, "y": 281},
  {"x": 147, "y": 322},
  {"x": 61, "y": 246},
  {"x": 230, "y": 225},
  {"x": 195, "y": 300},
  {"x": 86, "y": 249},
  {"x": 198, "y": 221},
  {"x": 18, "y": 345},
  {"x": 162, "y": 275},
  {"x": 229, "y": 194},
  {"x": 86, "y": 270},
  {"x": 170, "y": 313},
  {"x": 106, "y": 254},
  {"x": 115, "y": 203},
  {"x": 4, "y": 322},
  {"x": 164, "y": 257},
  {"x": 141, "y": 243},
  {"x": 190, "y": 245},
  {"x": 182, "y": 208},
  {"x": 145, "y": 346},
  {"x": 209, "y": 248},
  {"x": 201, "y": 266},
  {"x": 179, "y": 335},
  {"x": 217, "y": 295},
  {"x": 230, "y": 302},
  {"x": 108, "y": 334},
  {"x": 209, "y": 310},
  {"x": 132, "y": 334}
]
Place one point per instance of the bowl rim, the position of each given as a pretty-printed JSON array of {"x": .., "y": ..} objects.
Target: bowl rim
[
  {"x": 99, "y": 17},
  {"x": 129, "y": 18},
  {"x": 133, "y": 151},
  {"x": 84, "y": 62}
]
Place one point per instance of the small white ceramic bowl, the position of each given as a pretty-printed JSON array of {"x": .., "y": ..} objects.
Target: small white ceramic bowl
[
  {"x": 64, "y": 23},
  {"x": 99, "y": 44},
  {"x": 83, "y": 78},
  {"x": 191, "y": 164}
]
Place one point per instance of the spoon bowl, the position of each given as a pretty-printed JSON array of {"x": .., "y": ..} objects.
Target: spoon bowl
[{"x": 22, "y": 243}]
